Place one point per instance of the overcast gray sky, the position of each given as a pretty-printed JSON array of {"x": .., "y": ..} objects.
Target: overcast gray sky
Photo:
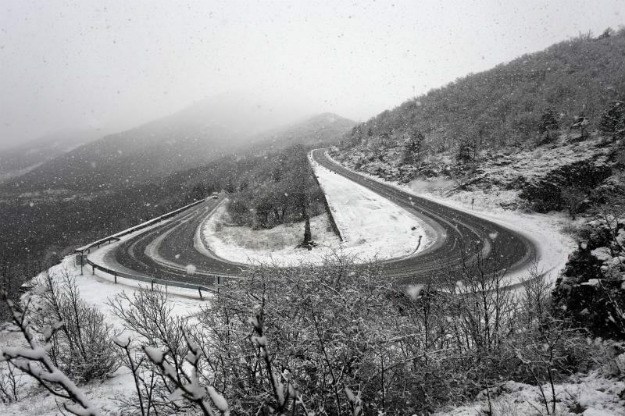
[{"x": 116, "y": 64}]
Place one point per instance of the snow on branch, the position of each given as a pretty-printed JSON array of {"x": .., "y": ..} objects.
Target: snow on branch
[
  {"x": 189, "y": 387},
  {"x": 35, "y": 361}
]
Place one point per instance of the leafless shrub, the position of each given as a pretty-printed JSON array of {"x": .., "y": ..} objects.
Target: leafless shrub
[
  {"x": 82, "y": 348},
  {"x": 10, "y": 383},
  {"x": 35, "y": 361},
  {"x": 333, "y": 329},
  {"x": 482, "y": 310},
  {"x": 168, "y": 371},
  {"x": 339, "y": 339},
  {"x": 187, "y": 384},
  {"x": 340, "y": 329},
  {"x": 145, "y": 381},
  {"x": 545, "y": 348},
  {"x": 149, "y": 316}
]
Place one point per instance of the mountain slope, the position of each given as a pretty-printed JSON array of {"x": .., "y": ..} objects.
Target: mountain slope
[
  {"x": 189, "y": 138},
  {"x": 17, "y": 160},
  {"x": 506, "y": 104},
  {"x": 325, "y": 128}
]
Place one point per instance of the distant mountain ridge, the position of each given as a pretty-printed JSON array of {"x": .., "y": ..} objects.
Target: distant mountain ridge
[
  {"x": 187, "y": 139},
  {"x": 322, "y": 129},
  {"x": 17, "y": 160}
]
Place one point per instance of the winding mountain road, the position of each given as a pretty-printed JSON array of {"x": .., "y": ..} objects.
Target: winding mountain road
[
  {"x": 167, "y": 251},
  {"x": 464, "y": 239}
]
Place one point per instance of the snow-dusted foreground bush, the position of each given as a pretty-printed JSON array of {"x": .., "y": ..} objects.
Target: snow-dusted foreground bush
[
  {"x": 64, "y": 338},
  {"x": 333, "y": 340}
]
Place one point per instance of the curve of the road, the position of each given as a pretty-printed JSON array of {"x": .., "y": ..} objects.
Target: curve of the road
[
  {"x": 464, "y": 239},
  {"x": 166, "y": 251}
]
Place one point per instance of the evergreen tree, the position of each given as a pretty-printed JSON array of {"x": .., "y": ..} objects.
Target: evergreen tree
[
  {"x": 413, "y": 147},
  {"x": 466, "y": 151},
  {"x": 613, "y": 120}
]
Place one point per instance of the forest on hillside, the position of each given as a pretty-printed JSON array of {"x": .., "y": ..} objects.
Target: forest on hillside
[{"x": 507, "y": 105}]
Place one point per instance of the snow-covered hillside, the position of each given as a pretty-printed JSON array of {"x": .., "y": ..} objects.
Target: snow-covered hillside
[{"x": 495, "y": 178}]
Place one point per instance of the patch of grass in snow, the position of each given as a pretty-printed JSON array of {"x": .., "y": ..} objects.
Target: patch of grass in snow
[{"x": 273, "y": 239}]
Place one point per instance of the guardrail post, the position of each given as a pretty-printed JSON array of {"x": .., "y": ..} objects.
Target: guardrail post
[
  {"x": 152, "y": 283},
  {"x": 92, "y": 269},
  {"x": 199, "y": 290},
  {"x": 115, "y": 276}
]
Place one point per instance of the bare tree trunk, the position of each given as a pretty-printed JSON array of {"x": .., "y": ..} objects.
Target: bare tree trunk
[{"x": 307, "y": 232}]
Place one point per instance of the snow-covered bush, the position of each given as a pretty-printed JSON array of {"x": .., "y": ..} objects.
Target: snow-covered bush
[
  {"x": 82, "y": 347},
  {"x": 172, "y": 374},
  {"x": 149, "y": 316},
  {"x": 335, "y": 339},
  {"x": 35, "y": 360},
  {"x": 565, "y": 187},
  {"x": 591, "y": 293},
  {"x": 317, "y": 332}
]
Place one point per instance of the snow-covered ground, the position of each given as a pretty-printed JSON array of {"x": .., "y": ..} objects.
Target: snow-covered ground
[
  {"x": 372, "y": 228},
  {"x": 590, "y": 395},
  {"x": 276, "y": 246},
  {"x": 96, "y": 291},
  {"x": 498, "y": 172}
]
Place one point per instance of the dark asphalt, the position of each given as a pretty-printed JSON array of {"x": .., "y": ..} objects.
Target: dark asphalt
[
  {"x": 463, "y": 236},
  {"x": 177, "y": 249}
]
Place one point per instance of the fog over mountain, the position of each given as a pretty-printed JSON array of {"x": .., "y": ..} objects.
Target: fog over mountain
[
  {"x": 188, "y": 138},
  {"x": 115, "y": 65},
  {"x": 23, "y": 157}
]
